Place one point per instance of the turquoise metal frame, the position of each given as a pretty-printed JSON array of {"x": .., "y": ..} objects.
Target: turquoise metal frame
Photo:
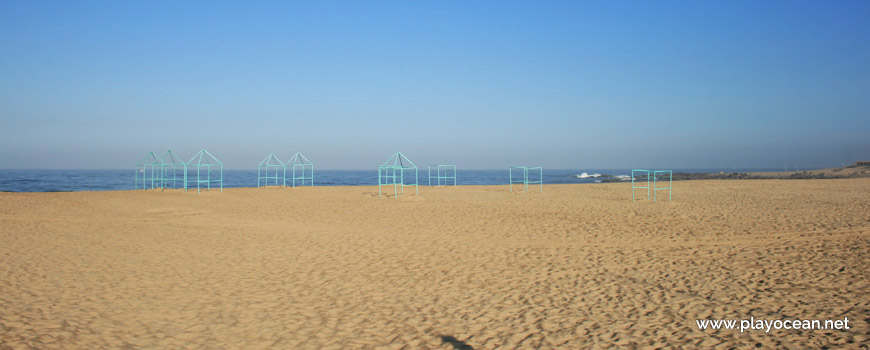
[
  {"x": 172, "y": 164},
  {"x": 152, "y": 163},
  {"x": 670, "y": 183},
  {"x": 647, "y": 172},
  {"x": 525, "y": 181},
  {"x": 438, "y": 174},
  {"x": 511, "y": 180},
  {"x": 271, "y": 162},
  {"x": 392, "y": 172},
  {"x": 299, "y": 161},
  {"x": 210, "y": 163},
  {"x": 654, "y": 174}
]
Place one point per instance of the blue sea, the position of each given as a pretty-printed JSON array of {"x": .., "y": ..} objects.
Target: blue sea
[{"x": 112, "y": 180}]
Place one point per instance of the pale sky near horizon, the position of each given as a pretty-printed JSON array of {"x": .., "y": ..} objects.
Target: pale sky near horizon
[{"x": 485, "y": 85}]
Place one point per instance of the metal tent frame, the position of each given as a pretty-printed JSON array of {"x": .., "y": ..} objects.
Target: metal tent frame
[
  {"x": 204, "y": 159},
  {"x": 306, "y": 171},
  {"x": 392, "y": 172},
  {"x": 152, "y": 163},
  {"x": 271, "y": 162},
  {"x": 172, "y": 164}
]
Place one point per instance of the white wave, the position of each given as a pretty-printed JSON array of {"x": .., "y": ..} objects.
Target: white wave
[{"x": 584, "y": 175}]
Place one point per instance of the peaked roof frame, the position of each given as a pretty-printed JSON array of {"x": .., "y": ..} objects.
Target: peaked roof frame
[
  {"x": 153, "y": 162},
  {"x": 392, "y": 172},
  {"x": 199, "y": 156},
  {"x": 170, "y": 159},
  {"x": 397, "y": 161},
  {"x": 271, "y": 161},
  {"x": 210, "y": 161},
  {"x": 173, "y": 163},
  {"x": 298, "y": 160},
  {"x": 307, "y": 167},
  {"x": 150, "y": 159}
]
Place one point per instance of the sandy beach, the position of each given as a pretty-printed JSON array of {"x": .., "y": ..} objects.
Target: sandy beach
[{"x": 468, "y": 267}]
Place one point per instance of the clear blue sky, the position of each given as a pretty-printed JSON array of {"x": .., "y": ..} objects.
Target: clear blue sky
[{"x": 571, "y": 85}]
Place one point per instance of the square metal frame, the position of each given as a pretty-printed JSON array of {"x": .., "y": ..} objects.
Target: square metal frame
[
  {"x": 654, "y": 174},
  {"x": 525, "y": 181},
  {"x": 438, "y": 174}
]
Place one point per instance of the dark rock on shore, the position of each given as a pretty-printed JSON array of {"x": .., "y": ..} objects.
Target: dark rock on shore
[{"x": 838, "y": 173}]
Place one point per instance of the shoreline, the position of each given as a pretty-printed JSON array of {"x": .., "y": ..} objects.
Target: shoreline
[{"x": 821, "y": 174}]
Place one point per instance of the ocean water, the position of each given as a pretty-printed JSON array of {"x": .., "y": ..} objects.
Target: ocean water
[{"x": 112, "y": 180}]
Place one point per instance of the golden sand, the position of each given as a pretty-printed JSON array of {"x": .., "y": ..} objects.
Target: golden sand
[{"x": 578, "y": 266}]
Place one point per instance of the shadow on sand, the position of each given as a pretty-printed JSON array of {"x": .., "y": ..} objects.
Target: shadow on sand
[{"x": 456, "y": 343}]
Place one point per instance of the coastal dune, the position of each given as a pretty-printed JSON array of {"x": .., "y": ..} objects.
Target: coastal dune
[{"x": 467, "y": 267}]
